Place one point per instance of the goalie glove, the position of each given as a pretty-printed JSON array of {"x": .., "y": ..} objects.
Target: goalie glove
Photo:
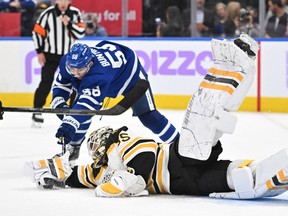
[
  {"x": 49, "y": 173},
  {"x": 122, "y": 184}
]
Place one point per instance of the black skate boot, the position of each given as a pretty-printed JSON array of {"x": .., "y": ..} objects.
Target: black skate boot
[
  {"x": 37, "y": 120},
  {"x": 247, "y": 44}
]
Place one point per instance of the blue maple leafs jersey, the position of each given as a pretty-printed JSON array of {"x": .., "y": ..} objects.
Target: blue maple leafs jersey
[{"x": 115, "y": 71}]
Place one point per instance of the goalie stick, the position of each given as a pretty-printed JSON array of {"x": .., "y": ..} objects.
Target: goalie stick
[{"x": 129, "y": 100}]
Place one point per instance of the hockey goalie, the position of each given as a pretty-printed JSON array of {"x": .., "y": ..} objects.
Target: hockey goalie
[{"x": 125, "y": 164}]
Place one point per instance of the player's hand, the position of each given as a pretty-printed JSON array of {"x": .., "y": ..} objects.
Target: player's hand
[
  {"x": 67, "y": 129},
  {"x": 59, "y": 103},
  {"x": 41, "y": 59}
]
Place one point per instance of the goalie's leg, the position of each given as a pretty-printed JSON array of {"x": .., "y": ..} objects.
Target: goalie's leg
[
  {"x": 251, "y": 180},
  {"x": 222, "y": 90}
]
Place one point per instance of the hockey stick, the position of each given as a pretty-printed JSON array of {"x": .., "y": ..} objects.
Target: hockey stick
[{"x": 129, "y": 100}]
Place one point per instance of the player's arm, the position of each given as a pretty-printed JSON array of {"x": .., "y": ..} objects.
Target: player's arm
[
  {"x": 39, "y": 32},
  {"x": 138, "y": 154},
  {"x": 83, "y": 176},
  {"x": 76, "y": 25},
  {"x": 89, "y": 99}
]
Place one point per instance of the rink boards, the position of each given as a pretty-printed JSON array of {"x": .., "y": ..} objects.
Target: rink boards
[{"x": 175, "y": 69}]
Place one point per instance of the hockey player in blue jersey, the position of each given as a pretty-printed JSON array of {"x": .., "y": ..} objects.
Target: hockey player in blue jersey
[{"x": 106, "y": 70}]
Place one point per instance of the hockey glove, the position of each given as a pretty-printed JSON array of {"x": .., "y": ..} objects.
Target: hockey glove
[
  {"x": 49, "y": 173},
  {"x": 122, "y": 184},
  {"x": 67, "y": 130},
  {"x": 59, "y": 103}
]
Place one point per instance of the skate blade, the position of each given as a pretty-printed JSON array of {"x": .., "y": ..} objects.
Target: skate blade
[{"x": 36, "y": 124}]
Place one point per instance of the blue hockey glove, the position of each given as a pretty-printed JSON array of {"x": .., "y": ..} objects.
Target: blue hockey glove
[
  {"x": 67, "y": 129},
  {"x": 59, "y": 103}
]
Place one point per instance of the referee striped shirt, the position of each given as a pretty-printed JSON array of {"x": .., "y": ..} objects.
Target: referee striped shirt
[{"x": 50, "y": 35}]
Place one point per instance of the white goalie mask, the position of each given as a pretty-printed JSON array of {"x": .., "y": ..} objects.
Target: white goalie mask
[{"x": 96, "y": 143}]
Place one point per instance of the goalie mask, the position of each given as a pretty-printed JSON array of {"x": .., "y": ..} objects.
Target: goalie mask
[{"x": 96, "y": 143}]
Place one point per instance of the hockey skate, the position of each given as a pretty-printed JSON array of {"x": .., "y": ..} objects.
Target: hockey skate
[
  {"x": 247, "y": 44},
  {"x": 37, "y": 120}
]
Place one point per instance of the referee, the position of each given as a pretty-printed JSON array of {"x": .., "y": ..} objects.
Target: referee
[{"x": 54, "y": 33}]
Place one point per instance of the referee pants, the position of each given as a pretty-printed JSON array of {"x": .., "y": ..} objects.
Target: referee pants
[{"x": 47, "y": 77}]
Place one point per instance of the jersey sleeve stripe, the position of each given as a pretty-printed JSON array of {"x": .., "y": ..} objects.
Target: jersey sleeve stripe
[
  {"x": 90, "y": 175},
  {"x": 80, "y": 24},
  {"x": 86, "y": 105},
  {"x": 62, "y": 88},
  {"x": 143, "y": 147},
  {"x": 99, "y": 175},
  {"x": 159, "y": 171},
  {"x": 82, "y": 178},
  {"x": 134, "y": 69},
  {"x": 39, "y": 30},
  {"x": 151, "y": 185},
  {"x": 128, "y": 145},
  {"x": 111, "y": 147},
  {"x": 91, "y": 99}
]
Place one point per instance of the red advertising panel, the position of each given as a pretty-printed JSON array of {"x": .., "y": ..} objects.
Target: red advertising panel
[
  {"x": 10, "y": 24},
  {"x": 109, "y": 14}
]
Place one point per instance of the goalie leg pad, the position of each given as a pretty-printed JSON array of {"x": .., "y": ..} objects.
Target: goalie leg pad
[
  {"x": 270, "y": 177},
  {"x": 272, "y": 173},
  {"x": 223, "y": 89},
  {"x": 233, "y": 63},
  {"x": 204, "y": 123}
]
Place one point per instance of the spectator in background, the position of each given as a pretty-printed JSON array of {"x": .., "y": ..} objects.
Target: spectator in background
[
  {"x": 54, "y": 33},
  {"x": 277, "y": 23},
  {"x": 247, "y": 22},
  {"x": 224, "y": 26},
  {"x": 204, "y": 20},
  {"x": 92, "y": 27},
  {"x": 27, "y": 10},
  {"x": 174, "y": 26}
]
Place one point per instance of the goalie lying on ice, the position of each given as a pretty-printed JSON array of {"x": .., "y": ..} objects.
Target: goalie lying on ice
[{"x": 125, "y": 164}]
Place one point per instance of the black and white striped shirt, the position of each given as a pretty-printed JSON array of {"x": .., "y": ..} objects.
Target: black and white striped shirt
[{"x": 50, "y": 35}]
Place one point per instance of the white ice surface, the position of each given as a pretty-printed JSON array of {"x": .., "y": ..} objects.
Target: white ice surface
[{"x": 257, "y": 136}]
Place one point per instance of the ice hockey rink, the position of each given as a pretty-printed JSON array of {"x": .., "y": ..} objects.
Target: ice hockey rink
[{"x": 257, "y": 136}]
